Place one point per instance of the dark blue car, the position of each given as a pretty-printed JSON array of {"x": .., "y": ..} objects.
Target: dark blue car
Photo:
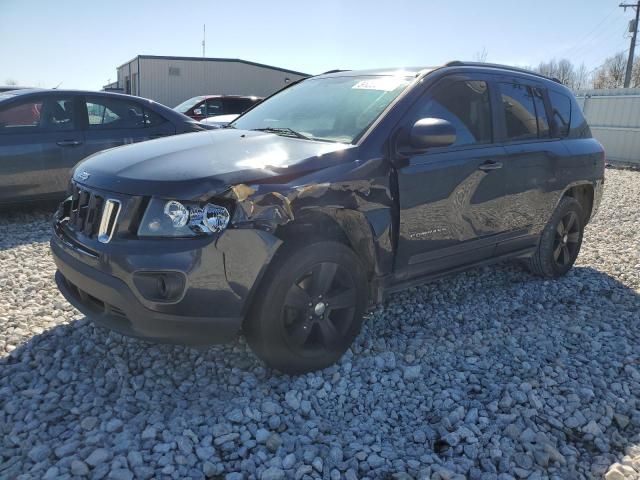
[{"x": 44, "y": 133}]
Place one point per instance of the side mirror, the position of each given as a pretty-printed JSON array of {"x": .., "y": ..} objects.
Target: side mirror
[
  {"x": 197, "y": 111},
  {"x": 431, "y": 132}
]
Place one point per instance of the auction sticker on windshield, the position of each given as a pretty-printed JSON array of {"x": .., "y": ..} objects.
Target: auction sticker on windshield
[{"x": 385, "y": 84}]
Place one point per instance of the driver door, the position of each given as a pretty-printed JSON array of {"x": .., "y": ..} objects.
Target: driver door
[{"x": 450, "y": 197}]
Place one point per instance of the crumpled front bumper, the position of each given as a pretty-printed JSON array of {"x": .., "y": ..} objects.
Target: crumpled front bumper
[{"x": 222, "y": 273}]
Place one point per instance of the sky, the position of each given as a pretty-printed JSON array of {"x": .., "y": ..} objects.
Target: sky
[{"x": 80, "y": 43}]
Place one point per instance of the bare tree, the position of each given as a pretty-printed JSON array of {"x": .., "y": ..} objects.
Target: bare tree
[
  {"x": 481, "y": 56},
  {"x": 10, "y": 81},
  {"x": 582, "y": 78},
  {"x": 566, "y": 72},
  {"x": 611, "y": 72}
]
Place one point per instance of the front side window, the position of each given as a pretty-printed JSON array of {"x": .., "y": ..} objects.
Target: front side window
[
  {"x": 108, "y": 113},
  {"x": 561, "y": 107},
  {"x": 466, "y": 105},
  {"x": 43, "y": 114},
  {"x": 519, "y": 111},
  {"x": 333, "y": 109}
]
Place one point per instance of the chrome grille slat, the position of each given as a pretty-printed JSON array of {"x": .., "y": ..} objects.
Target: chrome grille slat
[
  {"x": 108, "y": 221},
  {"x": 87, "y": 212}
]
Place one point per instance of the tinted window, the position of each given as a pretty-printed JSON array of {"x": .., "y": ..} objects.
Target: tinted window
[
  {"x": 541, "y": 114},
  {"x": 561, "y": 108},
  {"x": 237, "y": 105},
  {"x": 50, "y": 114},
  {"x": 465, "y": 104},
  {"x": 519, "y": 111},
  {"x": 109, "y": 113},
  {"x": 214, "y": 107},
  {"x": 152, "y": 118}
]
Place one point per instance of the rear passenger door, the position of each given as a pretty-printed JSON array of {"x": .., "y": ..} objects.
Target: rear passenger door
[
  {"x": 111, "y": 122},
  {"x": 40, "y": 142},
  {"x": 532, "y": 160}
]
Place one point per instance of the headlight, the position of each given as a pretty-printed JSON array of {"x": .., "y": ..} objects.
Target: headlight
[{"x": 170, "y": 218}]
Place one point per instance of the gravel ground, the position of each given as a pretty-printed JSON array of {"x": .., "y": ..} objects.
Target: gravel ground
[{"x": 487, "y": 374}]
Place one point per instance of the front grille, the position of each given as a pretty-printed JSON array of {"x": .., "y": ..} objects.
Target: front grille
[
  {"x": 86, "y": 211},
  {"x": 92, "y": 214}
]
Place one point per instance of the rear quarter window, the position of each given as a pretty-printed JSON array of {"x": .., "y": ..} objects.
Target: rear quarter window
[{"x": 561, "y": 114}]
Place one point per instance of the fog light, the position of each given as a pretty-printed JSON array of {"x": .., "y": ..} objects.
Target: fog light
[{"x": 160, "y": 286}]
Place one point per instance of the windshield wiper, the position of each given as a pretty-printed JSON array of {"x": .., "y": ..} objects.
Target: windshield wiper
[{"x": 286, "y": 131}]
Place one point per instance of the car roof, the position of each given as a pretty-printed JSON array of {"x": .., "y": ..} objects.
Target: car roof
[
  {"x": 58, "y": 91},
  {"x": 166, "y": 111},
  {"x": 419, "y": 71},
  {"x": 398, "y": 71}
]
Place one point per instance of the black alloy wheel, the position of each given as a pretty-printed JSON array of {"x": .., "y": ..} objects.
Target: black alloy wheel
[
  {"x": 318, "y": 309},
  {"x": 560, "y": 241},
  {"x": 567, "y": 240},
  {"x": 309, "y": 307}
]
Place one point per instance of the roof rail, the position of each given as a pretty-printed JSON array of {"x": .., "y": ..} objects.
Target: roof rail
[
  {"x": 458, "y": 63},
  {"x": 334, "y": 71}
]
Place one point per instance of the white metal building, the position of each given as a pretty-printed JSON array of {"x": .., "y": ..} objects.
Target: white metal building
[
  {"x": 614, "y": 117},
  {"x": 171, "y": 80}
]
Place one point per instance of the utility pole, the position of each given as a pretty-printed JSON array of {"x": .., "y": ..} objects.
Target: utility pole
[
  {"x": 204, "y": 33},
  {"x": 632, "y": 48}
]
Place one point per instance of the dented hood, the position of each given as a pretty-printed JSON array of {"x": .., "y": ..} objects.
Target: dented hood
[{"x": 193, "y": 165}]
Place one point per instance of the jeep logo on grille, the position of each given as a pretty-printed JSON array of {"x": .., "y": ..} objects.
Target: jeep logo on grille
[{"x": 83, "y": 175}]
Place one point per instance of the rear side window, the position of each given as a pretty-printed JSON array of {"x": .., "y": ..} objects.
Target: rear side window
[
  {"x": 561, "y": 118},
  {"x": 541, "y": 114},
  {"x": 237, "y": 105},
  {"x": 519, "y": 111},
  {"x": 48, "y": 114},
  {"x": 463, "y": 103},
  {"x": 152, "y": 119}
]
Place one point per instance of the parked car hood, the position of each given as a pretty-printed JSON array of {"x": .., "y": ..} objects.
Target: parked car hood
[{"x": 192, "y": 165}]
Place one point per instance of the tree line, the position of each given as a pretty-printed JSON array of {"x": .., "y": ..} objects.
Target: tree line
[{"x": 577, "y": 77}]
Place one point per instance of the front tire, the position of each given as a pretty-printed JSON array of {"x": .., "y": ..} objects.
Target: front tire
[
  {"x": 309, "y": 307},
  {"x": 560, "y": 241}
]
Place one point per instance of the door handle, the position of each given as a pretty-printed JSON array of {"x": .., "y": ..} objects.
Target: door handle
[
  {"x": 158, "y": 135},
  {"x": 69, "y": 143},
  {"x": 490, "y": 165}
]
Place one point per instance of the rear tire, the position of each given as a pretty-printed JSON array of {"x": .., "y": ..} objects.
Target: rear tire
[
  {"x": 560, "y": 241},
  {"x": 309, "y": 307}
]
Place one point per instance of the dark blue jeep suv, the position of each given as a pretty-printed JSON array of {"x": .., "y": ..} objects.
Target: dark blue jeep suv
[{"x": 323, "y": 199}]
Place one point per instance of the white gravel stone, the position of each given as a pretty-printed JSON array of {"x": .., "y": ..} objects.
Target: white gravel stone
[{"x": 491, "y": 373}]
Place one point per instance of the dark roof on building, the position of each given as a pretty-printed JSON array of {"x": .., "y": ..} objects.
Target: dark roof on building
[{"x": 211, "y": 59}]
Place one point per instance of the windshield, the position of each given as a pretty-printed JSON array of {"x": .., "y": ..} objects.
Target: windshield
[
  {"x": 336, "y": 109},
  {"x": 187, "y": 104}
]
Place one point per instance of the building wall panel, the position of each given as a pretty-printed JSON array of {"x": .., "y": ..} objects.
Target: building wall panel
[
  {"x": 614, "y": 117},
  {"x": 170, "y": 81}
]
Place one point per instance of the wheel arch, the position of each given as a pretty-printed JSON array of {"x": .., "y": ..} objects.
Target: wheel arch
[
  {"x": 347, "y": 226},
  {"x": 584, "y": 193}
]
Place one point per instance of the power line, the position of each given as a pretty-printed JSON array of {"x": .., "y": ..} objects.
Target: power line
[
  {"x": 587, "y": 44},
  {"x": 579, "y": 43}
]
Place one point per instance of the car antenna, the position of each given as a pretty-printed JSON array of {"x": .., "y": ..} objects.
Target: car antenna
[{"x": 56, "y": 87}]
